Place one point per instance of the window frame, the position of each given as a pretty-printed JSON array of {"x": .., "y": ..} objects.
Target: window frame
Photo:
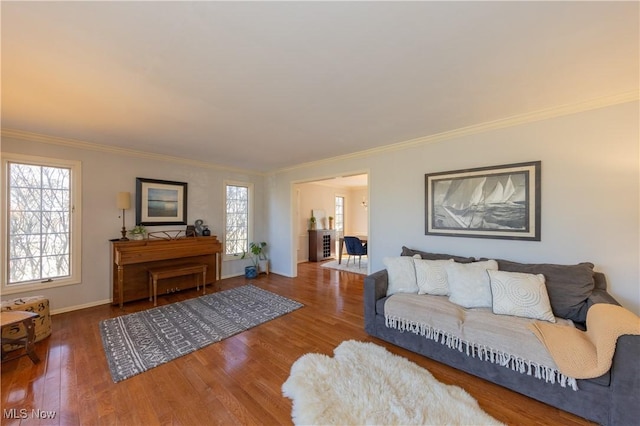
[
  {"x": 75, "y": 249},
  {"x": 250, "y": 209}
]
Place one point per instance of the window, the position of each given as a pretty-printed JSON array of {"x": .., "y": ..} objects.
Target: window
[
  {"x": 238, "y": 217},
  {"x": 339, "y": 221},
  {"x": 339, "y": 214},
  {"x": 41, "y": 217}
]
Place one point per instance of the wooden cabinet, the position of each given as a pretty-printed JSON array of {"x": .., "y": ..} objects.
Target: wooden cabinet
[
  {"x": 131, "y": 261},
  {"x": 321, "y": 245}
]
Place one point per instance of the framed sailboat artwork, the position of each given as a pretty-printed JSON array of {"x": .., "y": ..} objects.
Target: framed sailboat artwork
[{"x": 486, "y": 202}]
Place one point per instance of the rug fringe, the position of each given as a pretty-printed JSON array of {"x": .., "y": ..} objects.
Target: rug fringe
[{"x": 483, "y": 352}]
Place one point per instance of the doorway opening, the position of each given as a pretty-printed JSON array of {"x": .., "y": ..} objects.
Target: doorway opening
[{"x": 339, "y": 204}]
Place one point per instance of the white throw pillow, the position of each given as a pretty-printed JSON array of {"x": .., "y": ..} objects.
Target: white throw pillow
[
  {"x": 431, "y": 276},
  {"x": 470, "y": 284},
  {"x": 402, "y": 275},
  {"x": 521, "y": 295}
]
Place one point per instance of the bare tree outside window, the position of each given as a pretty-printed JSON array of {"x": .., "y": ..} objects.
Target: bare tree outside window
[
  {"x": 39, "y": 228},
  {"x": 237, "y": 218},
  {"x": 339, "y": 221},
  {"x": 339, "y": 214}
]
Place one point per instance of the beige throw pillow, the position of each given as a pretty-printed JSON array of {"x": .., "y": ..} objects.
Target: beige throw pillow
[
  {"x": 402, "y": 275},
  {"x": 520, "y": 295},
  {"x": 431, "y": 276},
  {"x": 469, "y": 283}
]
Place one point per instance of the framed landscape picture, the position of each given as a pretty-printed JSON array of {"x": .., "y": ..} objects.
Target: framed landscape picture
[
  {"x": 487, "y": 202},
  {"x": 160, "y": 202}
]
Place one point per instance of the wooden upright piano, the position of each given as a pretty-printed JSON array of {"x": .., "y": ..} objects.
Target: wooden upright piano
[{"x": 131, "y": 261}]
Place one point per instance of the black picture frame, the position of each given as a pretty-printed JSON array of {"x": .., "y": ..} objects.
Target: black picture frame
[
  {"x": 488, "y": 202},
  {"x": 160, "y": 202}
]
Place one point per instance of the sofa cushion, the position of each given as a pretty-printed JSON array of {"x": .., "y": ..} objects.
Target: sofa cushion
[
  {"x": 435, "y": 317},
  {"x": 469, "y": 283},
  {"x": 431, "y": 276},
  {"x": 435, "y": 256},
  {"x": 520, "y": 294},
  {"x": 568, "y": 286},
  {"x": 402, "y": 275}
]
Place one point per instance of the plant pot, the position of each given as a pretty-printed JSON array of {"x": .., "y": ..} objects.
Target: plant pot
[
  {"x": 137, "y": 236},
  {"x": 250, "y": 272}
]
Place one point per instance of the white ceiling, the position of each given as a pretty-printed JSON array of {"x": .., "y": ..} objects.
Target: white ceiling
[{"x": 267, "y": 85}]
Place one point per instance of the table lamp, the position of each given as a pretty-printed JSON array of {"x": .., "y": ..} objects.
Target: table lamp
[{"x": 124, "y": 203}]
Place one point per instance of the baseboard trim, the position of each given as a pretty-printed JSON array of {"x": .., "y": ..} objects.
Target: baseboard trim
[
  {"x": 78, "y": 307},
  {"x": 224, "y": 277},
  {"x": 109, "y": 301}
]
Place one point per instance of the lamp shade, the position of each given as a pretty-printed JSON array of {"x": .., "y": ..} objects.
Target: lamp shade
[{"x": 124, "y": 200}]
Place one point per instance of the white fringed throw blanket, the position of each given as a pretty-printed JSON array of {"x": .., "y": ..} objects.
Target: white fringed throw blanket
[{"x": 478, "y": 332}]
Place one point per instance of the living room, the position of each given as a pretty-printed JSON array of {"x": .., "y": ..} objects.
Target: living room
[
  {"x": 600, "y": 228},
  {"x": 575, "y": 112}
]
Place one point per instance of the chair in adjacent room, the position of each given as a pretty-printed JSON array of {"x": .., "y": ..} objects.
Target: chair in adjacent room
[{"x": 355, "y": 247}]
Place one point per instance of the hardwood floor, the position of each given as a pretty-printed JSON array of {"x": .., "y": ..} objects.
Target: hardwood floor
[{"x": 236, "y": 381}]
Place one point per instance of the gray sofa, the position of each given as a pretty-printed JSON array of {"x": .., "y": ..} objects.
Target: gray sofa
[{"x": 611, "y": 399}]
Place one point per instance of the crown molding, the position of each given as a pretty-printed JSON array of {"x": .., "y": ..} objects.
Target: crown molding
[
  {"x": 74, "y": 143},
  {"x": 544, "y": 114},
  {"x": 516, "y": 120}
]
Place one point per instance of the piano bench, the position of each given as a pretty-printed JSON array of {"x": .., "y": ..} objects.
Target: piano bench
[{"x": 156, "y": 274}]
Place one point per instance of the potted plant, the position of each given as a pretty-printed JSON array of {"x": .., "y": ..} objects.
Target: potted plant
[
  {"x": 258, "y": 258},
  {"x": 138, "y": 232},
  {"x": 312, "y": 223},
  {"x": 259, "y": 250}
]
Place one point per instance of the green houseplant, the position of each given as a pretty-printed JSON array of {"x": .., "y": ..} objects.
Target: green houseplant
[
  {"x": 312, "y": 223},
  {"x": 138, "y": 232},
  {"x": 257, "y": 254}
]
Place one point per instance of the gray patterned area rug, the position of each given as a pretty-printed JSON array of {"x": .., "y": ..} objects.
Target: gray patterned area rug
[{"x": 140, "y": 341}]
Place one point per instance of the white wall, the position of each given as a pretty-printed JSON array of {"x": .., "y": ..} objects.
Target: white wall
[
  {"x": 105, "y": 174},
  {"x": 357, "y": 216},
  {"x": 590, "y": 194}
]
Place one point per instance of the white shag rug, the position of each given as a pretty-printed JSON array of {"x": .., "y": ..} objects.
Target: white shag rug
[
  {"x": 365, "y": 384},
  {"x": 352, "y": 267}
]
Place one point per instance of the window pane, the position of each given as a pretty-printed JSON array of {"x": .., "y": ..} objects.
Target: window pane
[
  {"x": 53, "y": 222},
  {"x": 24, "y": 246},
  {"x": 55, "y": 200},
  {"x": 55, "y": 244},
  {"x": 24, "y": 199},
  {"x": 22, "y": 223},
  {"x": 26, "y": 269},
  {"x": 55, "y": 266},
  {"x": 55, "y": 178},
  {"x": 25, "y": 176}
]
